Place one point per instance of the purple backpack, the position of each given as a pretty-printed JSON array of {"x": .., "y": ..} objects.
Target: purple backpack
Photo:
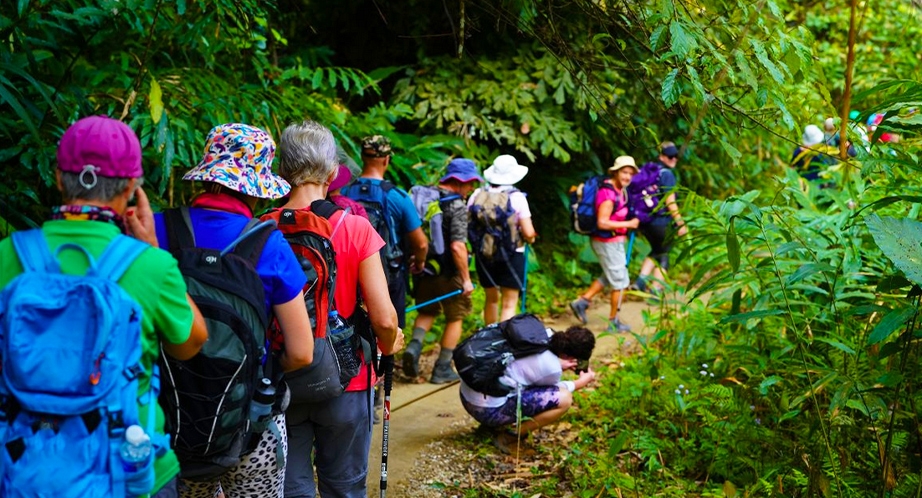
[{"x": 644, "y": 192}]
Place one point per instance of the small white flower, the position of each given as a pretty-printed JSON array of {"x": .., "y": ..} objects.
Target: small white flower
[
  {"x": 678, "y": 392},
  {"x": 712, "y": 375},
  {"x": 686, "y": 391},
  {"x": 681, "y": 386},
  {"x": 752, "y": 407},
  {"x": 703, "y": 372},
  {"x": 622, "y": 364},
  {"x": 662, "y": 377},
  {"x": 704, "y": 365}
]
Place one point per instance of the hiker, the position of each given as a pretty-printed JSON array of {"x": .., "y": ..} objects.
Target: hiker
[
  {"x": 446, "y": 266},
  {"x": 393, "y": 216},
  {"x": 812, "y": 158},
  {"x": 608, "y": 243},
  {"x": 500, "y": 226},
  {"x": 99, "y": 174},
  {"x": 544, "y": 397},
  {"x": 335, "y": 195},
  {"x": 652, "y": 187},
  {"x": 335, "y": 435},
  {"x": 236, "y": 173}
]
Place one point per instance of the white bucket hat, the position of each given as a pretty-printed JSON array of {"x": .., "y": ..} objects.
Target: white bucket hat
[
  {"x": 505, "y": 170},
  {"x": 812, "y": 135},
  {"x": 623, "y": 162}
]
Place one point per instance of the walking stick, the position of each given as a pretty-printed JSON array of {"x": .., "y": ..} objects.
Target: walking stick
[
  {"x": 525, "y": 280},
  {"x": 427, "y": 303},
  {"x": 627, "y": 264},
  {"x": 387, "y": 363}
]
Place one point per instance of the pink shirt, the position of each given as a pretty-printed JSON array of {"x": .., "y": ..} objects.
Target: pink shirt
[
  {"x": 353, "y": 240},
  {"x": 617, "y": 196}
]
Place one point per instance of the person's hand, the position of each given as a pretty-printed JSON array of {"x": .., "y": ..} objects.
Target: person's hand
[
  {"x": 683, "y": 230},
  {"x": 568, "y": 363},
  {"x": 141, "y": 219},
  {"x": 416, "y": 267},
  {"x": 634, "y": 223},
  {"x": 467, "y": 288},
  {"x": 396, "y": 346},
  {"x": 585, "y": 378}
]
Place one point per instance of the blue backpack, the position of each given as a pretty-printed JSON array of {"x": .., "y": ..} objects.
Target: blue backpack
[
  {"x": 70, "y": 347},
  {"x": 644, "y": 193},
  {"x": 372, "y": 195},
  {"x": 582, "y": 206},
  {"x": 493, "y": 228}
]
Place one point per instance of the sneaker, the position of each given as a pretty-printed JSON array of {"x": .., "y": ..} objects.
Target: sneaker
[
  {"x": 443, "y": 374},
  {"x": 579, "y": 307},
  {"x": 615, "y": 325},
  {"x": 411, "y": 359}
]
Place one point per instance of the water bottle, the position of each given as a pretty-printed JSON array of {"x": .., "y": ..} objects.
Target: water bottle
[
  {"x": 136, "y": 448},
  {"x": 263, "y": 398},
  {"x": 336, "y": 324}
]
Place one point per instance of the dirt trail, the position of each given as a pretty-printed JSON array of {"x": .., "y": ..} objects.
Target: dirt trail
[{"x": 422, "y": 413}]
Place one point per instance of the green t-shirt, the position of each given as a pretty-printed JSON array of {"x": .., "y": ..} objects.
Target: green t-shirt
[{"x": 153, "y": 281}]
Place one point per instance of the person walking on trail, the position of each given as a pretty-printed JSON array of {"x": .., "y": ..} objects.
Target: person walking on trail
[
  {"x": 393, "y": 216},
  {"x": 99, "y": 173},
  {"x": 335, "y": 195},
  {"x": 812, "y": 158},
  {"x": 236, "y": 173},
  {"x": 335, "y": 435},
  {"x": 446, "y": 268},
  {"x": 652, "y": 196},
  {"x": 500, "y": 226},
  {"x": 612, "y": 210},
  {"x": 543, "y": 396}
]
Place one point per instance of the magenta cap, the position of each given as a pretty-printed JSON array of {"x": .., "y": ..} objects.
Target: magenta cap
[{"x": 106, "y": 145}]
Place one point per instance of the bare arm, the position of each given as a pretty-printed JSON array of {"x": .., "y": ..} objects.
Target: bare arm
[
  {"x": 527, "y": 229},
  {"x": 674, "y": 212},
  {"x": 418, "y": 246},
  {"x": 604, "y": 221},
  {"x": 459, "y": 256},
  {"x": 197, "y": 336},
  {"x": 381, "y": 311},
  {"x": 296, "y": 329}
]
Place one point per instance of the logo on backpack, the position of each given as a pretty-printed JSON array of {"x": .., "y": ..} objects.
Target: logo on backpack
[
  {"x": 428, "y": 202},
  {"x": 643, "y": 192},
  {"x": 583, "y": 214},
  {"x": 372, "y": 195},
  {"x": 69, "y": 383},
  {"x": 207, "y": 399},
  {"x": 493, "y": 229},
  {"x": 336, "y": 344},
  {"x": 482, "y": 358}
]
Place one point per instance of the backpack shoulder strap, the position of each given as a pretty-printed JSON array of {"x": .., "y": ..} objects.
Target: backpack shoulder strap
[
  {"x": 119, "y": 256},
  {"x": 33, "y": 251},
  {"x": 179, "y": 229},
  {"x": 324, "y": 208},
  {"x": 249, "y": 245}
]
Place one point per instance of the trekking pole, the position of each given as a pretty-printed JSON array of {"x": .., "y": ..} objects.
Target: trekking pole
[
  {"x": 387, "y": 363},
  {"x": 525, "y": 279},
  {"x": 431, "y": 301},
  {"x": 627, "y": 264}
]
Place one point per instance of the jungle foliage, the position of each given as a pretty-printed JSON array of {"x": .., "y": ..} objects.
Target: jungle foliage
[{"x": 802, "y": 303}]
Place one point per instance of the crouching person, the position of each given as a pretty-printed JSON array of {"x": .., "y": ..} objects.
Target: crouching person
[{"x": 535, "y": 377}]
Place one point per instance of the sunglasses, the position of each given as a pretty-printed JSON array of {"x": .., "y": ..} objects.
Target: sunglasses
[{"x": 672, "y": 157}]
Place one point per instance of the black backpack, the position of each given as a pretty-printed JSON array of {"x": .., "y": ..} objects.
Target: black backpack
[
  {"x": 493, "y": 228},
  {"x": 206, "y": 399},
  {"x": 482, "y": 358}
]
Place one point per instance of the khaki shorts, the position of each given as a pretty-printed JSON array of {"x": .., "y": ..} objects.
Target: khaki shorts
[{"x": 455, "y": 308}]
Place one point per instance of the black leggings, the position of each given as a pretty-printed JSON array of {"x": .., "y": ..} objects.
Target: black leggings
[{"x": 660, "y": 239}]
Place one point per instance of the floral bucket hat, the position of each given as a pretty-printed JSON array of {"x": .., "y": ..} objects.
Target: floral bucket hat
[{"x": 239, "y": 157}]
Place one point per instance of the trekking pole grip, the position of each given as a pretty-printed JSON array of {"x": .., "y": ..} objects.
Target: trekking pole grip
[{"x": 387, "y": 366}]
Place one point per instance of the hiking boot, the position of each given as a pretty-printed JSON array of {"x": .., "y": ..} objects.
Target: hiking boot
[
  {"x": 411, "y": 359},
  {"x": 443, "y": 374},
  {"x": 579, "y": 307},
  {"x": 615, "y": 325}
]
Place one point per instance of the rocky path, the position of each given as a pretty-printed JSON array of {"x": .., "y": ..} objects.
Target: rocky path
[{"x": 424, "y": 413}]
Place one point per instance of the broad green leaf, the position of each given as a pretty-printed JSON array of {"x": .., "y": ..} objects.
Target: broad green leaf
[
  {"x": 617, "y": 444},
  {"x": 681, "y": 43},
  {"x": 768, "y": 382},
  {"x": 729, "y": 490},
  {"x": 836, "y": 344},
  {"x": 742, "y": 317},
  {"x": 892, "y": 282},
  {"x": 733, "y": 246},
  {"x": 656, "y": 37},
  {"x": 21, "y": 7},
  {"x": 900, "y": 240},
  {"x": 890, "y": 323},
  {"x": 156, "y": 101},
  {"x": 762, "y": 57},
  {"x": 808, "y": 270},
  {"x": 670, "y": 92}
]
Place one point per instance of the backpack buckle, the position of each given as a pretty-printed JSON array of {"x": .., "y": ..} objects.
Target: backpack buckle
[
  {"x": 133, "y": 372},
  {"x": 116, "y": 424}
]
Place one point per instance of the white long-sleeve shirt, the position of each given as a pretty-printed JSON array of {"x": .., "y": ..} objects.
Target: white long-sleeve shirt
[{"x": 536, "y": 370}]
